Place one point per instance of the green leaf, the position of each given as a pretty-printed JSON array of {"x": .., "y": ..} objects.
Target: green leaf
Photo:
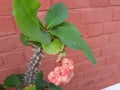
[
  {"x": 54, "y": 47},
  {"x": 12, "y": 81},
  {"x": 68, "y": 34},
  {"x": 20, "y": 76},
  {"x": 54, "y": 87},
  {"x": 41, "y": 84},
  {"x": 40, "y": 24},
  {"x": 86, "y": 49},
  {"x": 56, "y": 15},
  {"x": 71, "y": 37},
  {"x": 30, "y": 87},
  {"x": 25, "y": 13},
  {"x": 25, "y": 40},
  {"x": 40, "y": 75},
  {"x": 37, "y": 43}
]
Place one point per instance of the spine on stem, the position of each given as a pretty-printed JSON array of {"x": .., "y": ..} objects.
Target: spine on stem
[{"x": 31, "y": 72}]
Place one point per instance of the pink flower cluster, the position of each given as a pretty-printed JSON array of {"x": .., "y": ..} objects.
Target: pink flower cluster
[{"x": 62, "y": 73}]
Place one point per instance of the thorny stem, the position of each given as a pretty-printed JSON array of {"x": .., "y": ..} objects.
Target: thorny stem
[{"x": 31, "y": 72}]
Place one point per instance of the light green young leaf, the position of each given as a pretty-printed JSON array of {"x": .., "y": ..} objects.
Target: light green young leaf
[
  {"x": 26, "y": 16},
  {"x": 54, "y": 47},
  {"x": 56, "y": 15},
  {"x": 30, "y": 87}
]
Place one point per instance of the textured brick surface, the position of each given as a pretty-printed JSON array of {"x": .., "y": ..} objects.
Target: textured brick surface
[
  {"x": 114, "y": 2},
  {"x": 99, "y": 23},
  {"x": 95, "y": 15},
  {"x": 74, "y": 3},
  {"x": 99, "y": 3},
  {"x": 6, "y": 26},
  {"x": 16, "y": 57},
  {"x": 116, "y": 13},
  {"x": 45, "y": 4},
  {"x": 5, "y": 7}
]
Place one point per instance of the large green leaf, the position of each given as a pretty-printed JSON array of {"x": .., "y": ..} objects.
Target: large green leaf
[
  {"x": 68, "y": 34},
  {"x": 54, "y": 47},
  {"x": 40, "y": 75},
  {"x": 25, "y": 40},
  {"x": 86, "y": 49},
  {"x": 12, "y": 81},
  {"x": 71, "y": 37},
  {"x": 41, "y": 84},
  {"x": 26, "y": 16},
  {"x": 56, "y": 15}
]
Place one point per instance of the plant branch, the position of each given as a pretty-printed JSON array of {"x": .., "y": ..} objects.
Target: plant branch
[{"x": 31, "y": 72}]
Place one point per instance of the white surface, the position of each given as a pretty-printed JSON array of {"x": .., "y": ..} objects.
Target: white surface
[{"x": 113, "y": 87}]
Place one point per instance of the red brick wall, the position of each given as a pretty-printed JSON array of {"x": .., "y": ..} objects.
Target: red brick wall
[{"x": 99, "y": 22}]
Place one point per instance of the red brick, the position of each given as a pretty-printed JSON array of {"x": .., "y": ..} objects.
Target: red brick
[
  {"x": 45, "y": 4},
  {"x": 70, "y": 86},
  {"x": 10, "y": 43},
  {"x": 1, "y": 62},
  {"x": 95, "y": 29},
  {"x": 111, "y": 27},
  {"x": 98, "y": 42},
  {"x": 85, "y": 66},
  {"x": 9, "y": 71},
  {"x": 101, "y": 61},
  {"x": 95, "y": 15},
  {"x": 41, "y": 15},
  {"x": 116, "y": 13},
  {"x": 114, "y": 2},
  {"x": 5, "y": 7},
  {"x": 83, "y": 3},
  {"x": 115, "y": 77},
  {"x": 17, "y": 29},
  {"x": 78, "y": 57},
  {"x": 84, "y": 30},
  {"x": 101, "y": 81},
  {"x": 85, "y": 85},
  {"x": 14, "y": 59},
  {"x": 89, "y": 74},
  {"x": 115, "y": 38},
  {"x": 77, "y": 77},
  {"x": 4, "y": 74},
  {"x": 99, "y": 3},
  {"x": 105, "y": 84},
  {"x": 73, "y": 3},
  {"x": 74, "y": 17},
  {"x": 115, "y": 58},
  {"x": 51, "y": 62},
  {"x": 97, "y": 52},
  {"x": 110, "y": 49},
  {"x": 28, "y": 54},
  {"x": 107, "y": 69},
  {"x": 6, "y": 26}
]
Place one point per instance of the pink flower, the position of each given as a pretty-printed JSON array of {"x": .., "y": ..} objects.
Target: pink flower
[
  {"x": 67, "y": 63},
  {"x": 62, "y": 73}
]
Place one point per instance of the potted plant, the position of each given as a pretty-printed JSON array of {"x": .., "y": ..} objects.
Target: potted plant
[{"x": 51, "y": 38}]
